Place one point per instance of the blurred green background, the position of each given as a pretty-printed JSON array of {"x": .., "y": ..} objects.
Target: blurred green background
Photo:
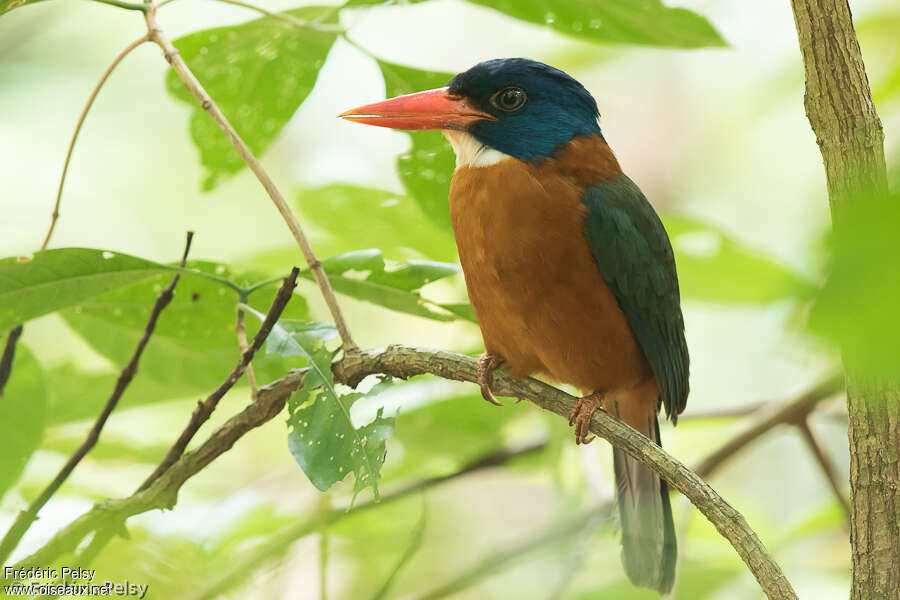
[{"x": 714, "y": 134}]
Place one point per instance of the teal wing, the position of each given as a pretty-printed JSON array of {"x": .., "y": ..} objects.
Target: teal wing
[{"x": 632, "y": 251}]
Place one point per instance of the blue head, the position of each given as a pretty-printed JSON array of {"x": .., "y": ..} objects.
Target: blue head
[
  {"x": 518, "y": 106},
  {"x": 534, "y": 106}
]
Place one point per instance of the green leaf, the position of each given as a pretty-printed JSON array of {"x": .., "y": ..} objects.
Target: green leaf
[
  {"x": 54, "y": 279},
  {"x": 258, "y": 72},
  {"x": 362, "y": 274},
  {"x": 22, "y": 411},
  {"x": 857, "y": 306},
  {"x": 644, "y": 22},
  {"x": 425, "y": 169},
  {"x": 713, "y": 266},
  {"x": 321, "y": 434},
  {"x": 194, "y": 345},
  {"x": 8, "y": 5},
  {"x": 373, "y": 218}
]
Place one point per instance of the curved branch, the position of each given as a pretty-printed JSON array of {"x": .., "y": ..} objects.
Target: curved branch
[
  {"x": 196, "y": 89},
  {"x": 84, "y": 112},
  {"x": 404, "y": 362},
  {"x": 794, "y": 412}
]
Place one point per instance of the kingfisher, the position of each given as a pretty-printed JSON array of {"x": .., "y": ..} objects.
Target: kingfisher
[{"x": 568, "y": 267}]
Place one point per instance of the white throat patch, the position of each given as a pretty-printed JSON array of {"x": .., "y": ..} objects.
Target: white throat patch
[{"x": 470, "y": 152}]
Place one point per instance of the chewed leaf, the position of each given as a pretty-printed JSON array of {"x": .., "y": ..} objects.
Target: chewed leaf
[{"x": 321, "y": 435}]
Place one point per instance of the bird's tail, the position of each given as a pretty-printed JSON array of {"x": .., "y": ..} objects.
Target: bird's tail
[{"x": 648, "y": 533}]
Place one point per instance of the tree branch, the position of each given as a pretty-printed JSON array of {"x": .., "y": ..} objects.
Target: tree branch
[
  {"x": 163, "y": 491},
  {"x": 827, "y": 465},
  {"x": 279, "y": 543},
  {"x": 241, "y": 330},
  {"x": 9, "y": 354},
  {"x": 194, "y": 87},
  {"x": 26, "y": 517},
  {"x": 286, "y": 18},
  {"x": 404, "y": 362},
  {"x": 204, "y": 409},
  {"x": 84, "y": 112},
  {"x": 497, "y": 560},
  {"x": 789, "y": 413}
]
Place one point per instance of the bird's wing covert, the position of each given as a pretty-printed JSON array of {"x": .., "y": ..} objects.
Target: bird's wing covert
[{"x": 632, "y": 251}]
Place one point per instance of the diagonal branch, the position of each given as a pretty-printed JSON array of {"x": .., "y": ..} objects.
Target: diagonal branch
[
  {"x": 26, "y": 517},
  {"x": 789, "y": 413},
  {"x": 163, "y": 491},
  {"x": 9, "y": 354},
  {"x": 825, "y": 462},
  {"x": 196, "y": 88},
  {"x": 404, "y": 362},
  {"x": 204, "y": 409}
]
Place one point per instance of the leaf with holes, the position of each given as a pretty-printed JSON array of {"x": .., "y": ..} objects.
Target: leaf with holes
[
  {"x": 364, "y": 275},
  {"x": 54, "y": 279},
  {"x": 321, "y": 434},
  {"x": 259, "y": 73}
]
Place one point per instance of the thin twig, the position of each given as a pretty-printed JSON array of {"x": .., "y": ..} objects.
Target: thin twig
[
  {"x": 125, "y": 5},
  {"x": 279, "y": 543},
  {"x": 84, "y": 112},
  {"x": 204, "y": 409},
  {"x": 9, "y": 354},
  {"x": 241, "y": 329},
  {"x": 26, "y": 517},
  {"x": 286, "y": 18},
  {"x": 825, "y": 462},
  {"x": 163, "y": 492},
  {"x": 193, "y": 85},
  {"x": 788, "y": 413},
  {"x": 414, "y": 545},
  {"x": 497, "y": 560}
]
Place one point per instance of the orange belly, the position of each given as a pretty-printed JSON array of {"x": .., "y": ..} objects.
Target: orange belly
[{"x": 540, "y": 299}]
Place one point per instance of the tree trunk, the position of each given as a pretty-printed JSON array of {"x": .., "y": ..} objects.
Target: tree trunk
[{"x": 849, "y": 133}]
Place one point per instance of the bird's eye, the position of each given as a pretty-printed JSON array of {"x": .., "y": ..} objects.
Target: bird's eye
[{"x": 509, "y": 99}]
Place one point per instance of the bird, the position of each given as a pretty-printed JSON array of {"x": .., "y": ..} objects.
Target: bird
[{"x": 567, "y": 265}]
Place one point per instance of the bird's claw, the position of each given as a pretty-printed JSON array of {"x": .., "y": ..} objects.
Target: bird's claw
[
  {"x": 486, "y": 365},
  {"x": 581, "y": 416}
]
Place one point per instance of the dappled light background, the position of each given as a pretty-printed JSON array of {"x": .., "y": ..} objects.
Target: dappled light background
[{"x": 717, "y": 139}]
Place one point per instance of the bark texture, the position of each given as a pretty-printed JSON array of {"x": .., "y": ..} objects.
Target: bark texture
[{"x": 849, "y": 133}]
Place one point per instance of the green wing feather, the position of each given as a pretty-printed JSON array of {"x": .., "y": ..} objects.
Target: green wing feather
[{"x": 632, "y": 251}]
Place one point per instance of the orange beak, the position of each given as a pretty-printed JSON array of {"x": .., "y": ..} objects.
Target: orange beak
[{"x": 433, "y": 109}]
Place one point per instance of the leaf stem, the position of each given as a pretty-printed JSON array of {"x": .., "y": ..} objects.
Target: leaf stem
[
  {"x": 84, "y": 111},
  {"x": 286, "y": 18},
  {"x": 196, "y": 88},
  {"x": 126, "y": 5}
]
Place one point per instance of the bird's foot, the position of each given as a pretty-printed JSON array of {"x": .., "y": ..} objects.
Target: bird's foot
[
  {"x": 486, "y": 365},
  {"x": 581, "y": 416}
]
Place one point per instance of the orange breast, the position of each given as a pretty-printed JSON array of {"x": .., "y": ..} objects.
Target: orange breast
[{"x": 540, "y": 300}]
